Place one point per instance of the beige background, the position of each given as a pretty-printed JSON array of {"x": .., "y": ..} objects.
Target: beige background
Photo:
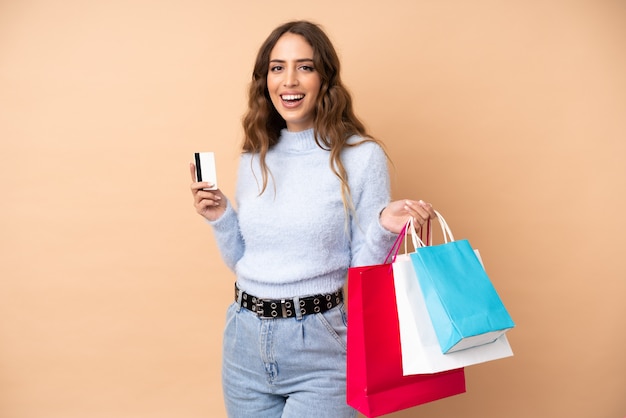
[{"x": 508, "y": 116}]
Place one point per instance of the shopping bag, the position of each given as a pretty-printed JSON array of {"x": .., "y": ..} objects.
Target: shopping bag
[
  {"x": 421, "y": 352},
  {"x": 375, "y": 381},
  {"x": 462, "y": 303}
]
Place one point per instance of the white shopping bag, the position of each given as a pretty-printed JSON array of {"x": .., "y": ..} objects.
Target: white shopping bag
[{"x": 421, "y": 352}]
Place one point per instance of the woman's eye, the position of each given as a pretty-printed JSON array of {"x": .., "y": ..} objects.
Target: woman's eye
[
  {"x": 275, "y": 68},
  {"x": 307, "y": 68}
]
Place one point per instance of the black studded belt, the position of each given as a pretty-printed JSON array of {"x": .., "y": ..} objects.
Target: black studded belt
[{"x": 286, "y": 308}]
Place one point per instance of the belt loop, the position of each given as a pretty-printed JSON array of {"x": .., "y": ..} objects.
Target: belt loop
[
  {"x": 297, "y": 309},
  {"x": 239, "y": 297}
]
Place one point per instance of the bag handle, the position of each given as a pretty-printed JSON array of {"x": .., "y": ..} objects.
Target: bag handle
[
  {"x": 429, "y": 233},
  {"x": 417, "y": 241},
  {"x": 409, "y": 227},
  {"x": 447, "y": 233},
  {"x": 396, "y": 246}
]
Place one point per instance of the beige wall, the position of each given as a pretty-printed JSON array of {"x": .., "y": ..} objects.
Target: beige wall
[{"x": 508, "y": 116}]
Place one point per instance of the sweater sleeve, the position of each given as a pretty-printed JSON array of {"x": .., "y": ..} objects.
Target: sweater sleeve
[
  {"x": 371, "y": 193},
  {"x": 228, "y": 236}
]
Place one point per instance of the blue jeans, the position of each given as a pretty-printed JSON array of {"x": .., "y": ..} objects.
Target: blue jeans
[{"x": 285, "y": 367}]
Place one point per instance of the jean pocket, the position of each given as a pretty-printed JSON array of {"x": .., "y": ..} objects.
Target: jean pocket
[{"x": 335, "y": 321}]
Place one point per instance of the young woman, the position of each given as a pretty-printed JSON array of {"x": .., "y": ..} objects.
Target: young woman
[{"x": 313, "y": 199}]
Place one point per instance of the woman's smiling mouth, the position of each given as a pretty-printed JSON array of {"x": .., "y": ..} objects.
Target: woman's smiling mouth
[{"x": 292, "y": 97}]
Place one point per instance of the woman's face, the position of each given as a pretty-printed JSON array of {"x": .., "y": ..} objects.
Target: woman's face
[{"x": 293, "y": 82}]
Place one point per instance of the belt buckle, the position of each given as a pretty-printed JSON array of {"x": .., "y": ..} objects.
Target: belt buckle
[
  {"x": 282, "y": 308},
  {"x": 273, "y": 306},
  {"x": 258, "y": 303}
]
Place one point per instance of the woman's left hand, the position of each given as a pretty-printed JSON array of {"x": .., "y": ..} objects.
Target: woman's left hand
[{"x": 397, "y": 213}]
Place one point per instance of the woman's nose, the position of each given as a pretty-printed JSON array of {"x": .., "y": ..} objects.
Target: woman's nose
[{"x": 291, "y": 78}]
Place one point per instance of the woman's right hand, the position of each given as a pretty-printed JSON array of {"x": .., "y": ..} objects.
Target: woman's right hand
[{"x": 211, "y": 204}]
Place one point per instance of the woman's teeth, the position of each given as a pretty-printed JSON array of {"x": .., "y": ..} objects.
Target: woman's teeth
[{"x": 291, "y": 97}]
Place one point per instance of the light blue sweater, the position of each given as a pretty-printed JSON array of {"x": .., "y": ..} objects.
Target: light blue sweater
[{"x": 293, "y": 240}]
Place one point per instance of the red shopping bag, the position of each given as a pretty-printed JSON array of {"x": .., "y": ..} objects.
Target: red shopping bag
[{"x": 375, "y": 381}]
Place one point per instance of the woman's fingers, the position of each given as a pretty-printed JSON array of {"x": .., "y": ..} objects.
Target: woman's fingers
[
  {"x": 208, "y": 198},
  {"x": 197, "y": 185},
  {"x": 420, "y": 211}
]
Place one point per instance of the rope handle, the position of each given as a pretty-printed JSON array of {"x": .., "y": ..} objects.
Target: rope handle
[
  {"x": 429, "y": 234},
  {"x": 409, "y": 228},
  {"x": 447, "y": 233},
  {"x": 420, "y": 241},
  {"x": 396, "y": 246},
  {"x": 416, "y": 241}
]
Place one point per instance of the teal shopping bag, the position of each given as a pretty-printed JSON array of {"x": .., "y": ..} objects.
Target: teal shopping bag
[{"x": 462, "y": 303}]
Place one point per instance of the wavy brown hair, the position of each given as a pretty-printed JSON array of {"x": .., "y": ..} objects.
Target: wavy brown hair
[{"x": 334, "y": 120}]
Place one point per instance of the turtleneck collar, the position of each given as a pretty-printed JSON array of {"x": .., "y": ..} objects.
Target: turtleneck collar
[{"x": 300, "y": 141}]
